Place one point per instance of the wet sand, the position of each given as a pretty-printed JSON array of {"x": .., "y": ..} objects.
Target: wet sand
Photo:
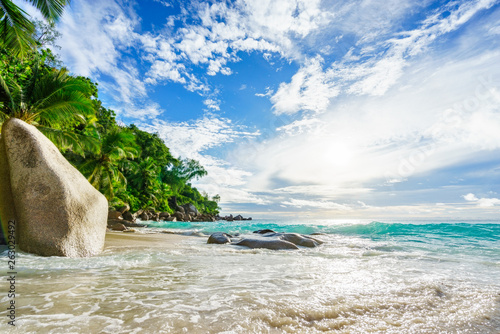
[{"x": 129, "y": 240}]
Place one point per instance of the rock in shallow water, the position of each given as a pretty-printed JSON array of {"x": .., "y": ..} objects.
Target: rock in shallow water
[
  {"x": 219, "y": 238},
  {"x": 275, "y": 244},
  {"x": 268, "y": 239},
  {"x": 299, "y": 239},
  {"x": 264, "y": 231},
  {"x": 58, "y": 212}
]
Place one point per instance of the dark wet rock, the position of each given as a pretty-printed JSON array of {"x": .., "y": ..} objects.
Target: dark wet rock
[
  {"x": 164, "y": 215},
  {"x": 179, "y": 215},
  {"x": 189, "y": 208},
  {"x": 299, "y": 239},
  {"x": 144, "y": 216},
  {"x": 129, "y": 224},
  {"x": 219, "y": 238},
  {"x": 127, "y": 215},
  {"x": 269, "y": 239},
  {"x": 171, "y": 219},
  {"x": 118, "y": 227},
  {"x": 113, "y": 214},
  {"x": 264, "y": 231},
  {"x": 111, "y": 222},
  {"x": 123, "y": 209},
  {"x": 275, "y": 244}
]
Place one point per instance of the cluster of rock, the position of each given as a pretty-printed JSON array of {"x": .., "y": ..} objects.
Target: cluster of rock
[
  {"x": 230, "y": 218},
  {"x": 51, "y": 206},
  {"x": 266, "y": 239},
  {"x": 121, "y": 219}
]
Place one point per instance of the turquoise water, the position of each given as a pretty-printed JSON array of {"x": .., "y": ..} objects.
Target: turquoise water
[
  {"x": 368, "y": 277},
  {"x": 474, "y": 238}
]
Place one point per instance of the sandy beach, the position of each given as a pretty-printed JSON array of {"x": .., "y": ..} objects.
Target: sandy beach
[{"x": 130, "y": 240}]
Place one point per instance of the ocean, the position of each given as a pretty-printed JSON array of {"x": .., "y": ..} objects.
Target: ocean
[{"x": 368, "y": 277}]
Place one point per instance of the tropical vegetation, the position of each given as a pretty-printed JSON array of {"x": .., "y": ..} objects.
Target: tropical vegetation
[{"x": 124, "y": 163}]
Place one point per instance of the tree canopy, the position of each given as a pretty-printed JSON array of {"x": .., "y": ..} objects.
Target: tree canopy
[{"x": 125, "y": 163}]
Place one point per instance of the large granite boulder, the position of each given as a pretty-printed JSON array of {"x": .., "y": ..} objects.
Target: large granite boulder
[
  {"x": 7, "y": 209},
  {"x": 57, "y": 211}
]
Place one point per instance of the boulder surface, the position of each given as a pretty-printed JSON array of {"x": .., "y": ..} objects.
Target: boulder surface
[
  {"x": 275, "y": 244},
  {"x": 57, "y": 211},
  {"x": 219, "y": 238}
]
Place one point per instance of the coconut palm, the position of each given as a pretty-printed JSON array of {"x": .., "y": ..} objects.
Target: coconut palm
[
  {"x": 16, "y": 30},
  {"x": 51, "y": 100},
  {"x": 144, "y": 177},
  {"x": 179, "y": 173},
  {"x": 104, "y": 169}
]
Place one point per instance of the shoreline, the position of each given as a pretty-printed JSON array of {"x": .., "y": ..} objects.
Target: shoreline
[{"x": 117, "y": 240}]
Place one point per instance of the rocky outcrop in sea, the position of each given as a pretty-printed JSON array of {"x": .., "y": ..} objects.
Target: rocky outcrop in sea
[{"x": 268, "y": 239}]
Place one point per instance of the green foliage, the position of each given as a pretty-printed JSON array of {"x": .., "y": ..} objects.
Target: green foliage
[
  {"x": 45, "y": 34},
  {"x": 48, "y": 98},
  {"x": 152, "y": 146},
  {"x": 17, "y": 31},
  {"x": 179, "y": 173},
  {"x": 126, "y": 164},
  {"x": 104, "y": 169}
]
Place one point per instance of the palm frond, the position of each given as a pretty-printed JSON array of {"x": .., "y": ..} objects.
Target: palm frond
[
  {"x": 50, "y": 9},
  {"x": 64, "y": 140},
  {"x": 16, "y": 29}
]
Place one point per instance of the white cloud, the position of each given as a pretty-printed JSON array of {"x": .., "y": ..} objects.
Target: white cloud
[
  {"x": 321, "y": 191},
  {"x": 269, "y": 92},
  {"x": 193, "y": 139},
  {"x": 470, "y": 197},
  {"x": 96, "y": 48},
  {"x": 323, "y": 205},
  {"x": 401, "y": 108},
  {"x": 212, "y": 104},
  {"x": 310, "y": 89},
  {"x": 220, "y": 31},
  {"x": 410, "y": 131},
  {"x": 482, "y": 202},
  {"x": 148, "y": 112}
]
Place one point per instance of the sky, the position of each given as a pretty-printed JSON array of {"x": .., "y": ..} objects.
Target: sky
[{"x": 309, "y": 108}]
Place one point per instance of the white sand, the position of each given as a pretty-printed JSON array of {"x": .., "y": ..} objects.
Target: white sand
[{"x": 141, "y": 240}]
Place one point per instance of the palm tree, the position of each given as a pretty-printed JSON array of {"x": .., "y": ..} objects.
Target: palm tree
[
  {"x": 51, "y": 100},
  {"x": 16, "y": 30},
  {"x": 145, "y": 178},
  {"x": 104, "y": 169},
  {"x": 179, "y": 173},
  {"x": 145, "y": 174}
]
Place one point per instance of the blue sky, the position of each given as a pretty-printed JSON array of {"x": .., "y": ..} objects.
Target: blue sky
[{"x": 309, "y": 108}]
